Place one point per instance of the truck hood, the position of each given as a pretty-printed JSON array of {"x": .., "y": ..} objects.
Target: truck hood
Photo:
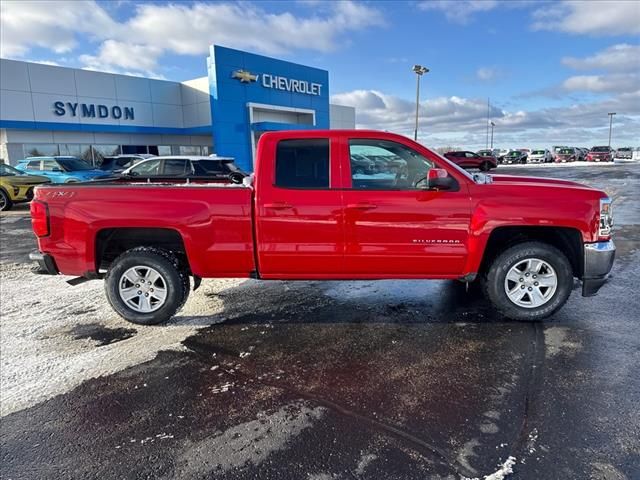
[{"x": 537, "y": 180}]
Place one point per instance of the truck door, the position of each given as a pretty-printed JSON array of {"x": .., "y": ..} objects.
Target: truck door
[
  {"x": 298, "y": 209},
  {"x": 393, "y": 227}
]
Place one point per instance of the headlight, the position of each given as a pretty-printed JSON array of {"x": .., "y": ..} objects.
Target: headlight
[{"x": 606, "y": 217}]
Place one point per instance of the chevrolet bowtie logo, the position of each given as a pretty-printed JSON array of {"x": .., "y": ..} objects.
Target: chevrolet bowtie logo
[{"x": 244, "y": 76}]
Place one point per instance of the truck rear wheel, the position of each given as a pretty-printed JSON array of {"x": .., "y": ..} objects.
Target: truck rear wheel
[
  {"x": 529, "y": 281},
  {"x": 146, "y": 285}
]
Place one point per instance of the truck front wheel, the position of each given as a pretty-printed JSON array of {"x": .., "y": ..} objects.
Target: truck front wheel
[
  {"x": 146, "y": 285},
  {"x": 529, "y": 281}
]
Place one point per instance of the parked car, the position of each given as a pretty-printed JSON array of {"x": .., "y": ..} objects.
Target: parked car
[
  {"x": 515, "y": 156},
  {"x": 600, "y": 154},
  {"x": 489, "y": 153},
  {"x": 624, "y": 153},
  {"x": 554, "y": 150},
  {"x": 636, "y": 154},
  {"x": 61, "y": 169},
  {"x": 16, "y": 187},
  {"x": 503, "y": 152},
  {"x": 566, "y": 154},
  {"x": 540, "y": 156},
  {"x": 472, "y": 160},
  {"x": 363, "y": 165},
  {"x": 119, "y": 163},
  {"x": 221, "y": 168},
  {"x": 306, "y": 216}
]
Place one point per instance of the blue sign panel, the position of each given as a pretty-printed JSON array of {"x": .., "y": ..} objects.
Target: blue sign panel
[{"x": 241, "y": 83}]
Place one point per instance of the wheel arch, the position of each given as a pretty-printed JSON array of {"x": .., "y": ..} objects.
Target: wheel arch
[
  {"x": 566, "y": 239},
  {"x": 111, "y": 242}
]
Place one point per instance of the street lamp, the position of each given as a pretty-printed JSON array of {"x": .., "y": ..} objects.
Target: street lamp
[
  {"x": 492, "y": 125},
  {"x": 611, "y": 114},
  {"x": 419, "y": 70}
]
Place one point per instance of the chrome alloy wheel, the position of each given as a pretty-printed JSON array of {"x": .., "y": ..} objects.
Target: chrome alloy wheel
[
  {"x": 143, "y": 289},
  {"x": 530, "y": 283}
]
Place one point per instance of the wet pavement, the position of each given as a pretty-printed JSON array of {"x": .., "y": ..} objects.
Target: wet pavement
[{"x": 371, "y": 380}]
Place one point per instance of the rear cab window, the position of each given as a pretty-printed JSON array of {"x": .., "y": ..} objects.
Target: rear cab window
[{"x": 303, "y": 163}]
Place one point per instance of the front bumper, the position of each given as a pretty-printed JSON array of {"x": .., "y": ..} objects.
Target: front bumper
[
  {"x": 45, "y": 262},
  {"x": 598, "y": 260}
]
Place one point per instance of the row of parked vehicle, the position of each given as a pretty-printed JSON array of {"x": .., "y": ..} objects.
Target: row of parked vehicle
[
  {"x": 491, "y": 158},
  {"x": 17, "y": 184}
]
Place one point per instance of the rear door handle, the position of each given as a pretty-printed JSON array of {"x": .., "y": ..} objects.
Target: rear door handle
[
  {"x": 277, "y": 206},
  {"x": 361, "y": 206}
]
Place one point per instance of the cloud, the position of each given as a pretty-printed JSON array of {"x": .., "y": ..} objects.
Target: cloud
[
  {"x": 50, "y": 25},
  {"x": 462, "y": 121},
  {"x": 487, "y": 74},
  {"x": 622, "y": 57},
  {"x": 153, "y": 30},
  {"x": 616, "y": 83},
  {"x": 114, "y": 56},
  {"x": 596, "y": 17},
  {"x": 458, "y": 11}
]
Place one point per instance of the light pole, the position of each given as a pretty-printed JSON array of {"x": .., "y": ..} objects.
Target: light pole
[
  {"x": 611, "y": 114},
  {"x": 492, "y": 125},
  {"x": 419, "y": 70}
]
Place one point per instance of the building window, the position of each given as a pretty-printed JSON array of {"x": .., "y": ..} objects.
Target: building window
[
  {"x": 303, "y": 163},
  {"x": 41, "y": 150},
  {"x": 69, "y": 149},
  {"x": 101, "y": 151},
  {"x": 190, "y": 150},
  {"x": 207, "y": 151},
  {"x": 163, "y": 150},
  {"x": 86, "y": 153}
]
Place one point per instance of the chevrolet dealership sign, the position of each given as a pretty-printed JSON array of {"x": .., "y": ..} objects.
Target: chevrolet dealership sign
[{"x": 279, "y": 83}]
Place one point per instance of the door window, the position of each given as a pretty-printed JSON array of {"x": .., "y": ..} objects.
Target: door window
[
  {"x": 385, "y": 165},
  {"x": 50, "y": 165},
  {"x": 470, "y": 155},
  {"x": 33, "y": 165},
  {"x": 303, "y": 163},
  {"x": 175, "y": 166},
  {"x": 150, "y": 167}
]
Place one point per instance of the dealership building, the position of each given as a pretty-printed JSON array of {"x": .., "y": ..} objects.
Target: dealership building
[{"x": 51, "y": 110}]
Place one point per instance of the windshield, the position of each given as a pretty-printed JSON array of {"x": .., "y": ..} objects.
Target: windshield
[
  {"x": 566, "y": 151},
  {"x": 8, "y": 170},
  {"x": 624, "y": 149},
  {"x": 73, "y": 164},
  {"x": 600, "y": 149},
  {"x": 515, "y": 153},
  {"x": 538, "y": 152}
]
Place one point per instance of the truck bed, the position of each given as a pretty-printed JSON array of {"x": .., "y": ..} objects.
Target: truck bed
[{"x": 213, "y": 220}]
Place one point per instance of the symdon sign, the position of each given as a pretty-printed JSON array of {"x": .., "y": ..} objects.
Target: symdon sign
[{"x": 90, "y": 110}]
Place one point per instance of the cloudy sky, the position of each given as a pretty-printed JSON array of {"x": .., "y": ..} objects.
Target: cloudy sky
[{"x": 551, "y": 69}]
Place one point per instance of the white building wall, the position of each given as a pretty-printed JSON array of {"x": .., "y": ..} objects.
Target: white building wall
[{"x": 342, "y": 117}]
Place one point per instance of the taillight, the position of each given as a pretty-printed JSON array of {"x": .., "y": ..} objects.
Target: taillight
[
  {"x": 606, "y": 218},
  {"x": 40, "y": 218}
]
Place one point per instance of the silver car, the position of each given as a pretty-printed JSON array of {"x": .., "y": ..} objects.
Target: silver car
[{"x": 540, "y": 156}]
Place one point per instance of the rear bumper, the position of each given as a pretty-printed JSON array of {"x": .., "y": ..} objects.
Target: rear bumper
[
  {"x": 45, "y": 262},
  {"x": 598, "y": 261}
]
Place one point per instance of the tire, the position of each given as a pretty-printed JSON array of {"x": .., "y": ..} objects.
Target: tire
[
  {"x": 146, "y": 263},
  {"x": 485, "y": 166},
  {"x": 495, "y": 283},
  {"x": 5, "y": 201}
]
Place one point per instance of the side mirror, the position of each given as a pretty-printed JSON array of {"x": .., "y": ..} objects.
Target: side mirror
[{"x": 438, "y": 179}]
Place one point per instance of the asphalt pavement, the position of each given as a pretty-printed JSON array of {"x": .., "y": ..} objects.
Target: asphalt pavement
[{"x": 352, "y": 380}]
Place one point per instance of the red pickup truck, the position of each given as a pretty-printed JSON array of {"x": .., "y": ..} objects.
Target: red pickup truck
[{"x": 309, "y": 214}]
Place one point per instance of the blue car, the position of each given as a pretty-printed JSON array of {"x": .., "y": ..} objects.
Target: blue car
[{"x": 61, "y": 169}]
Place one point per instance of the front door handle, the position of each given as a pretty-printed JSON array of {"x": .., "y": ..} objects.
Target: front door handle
[
  {"x": 277, "y": 206},
  {"x": 361, "y": 206}
]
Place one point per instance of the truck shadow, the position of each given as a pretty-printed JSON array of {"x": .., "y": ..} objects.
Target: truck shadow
[{"x": 383, "y": 301}]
